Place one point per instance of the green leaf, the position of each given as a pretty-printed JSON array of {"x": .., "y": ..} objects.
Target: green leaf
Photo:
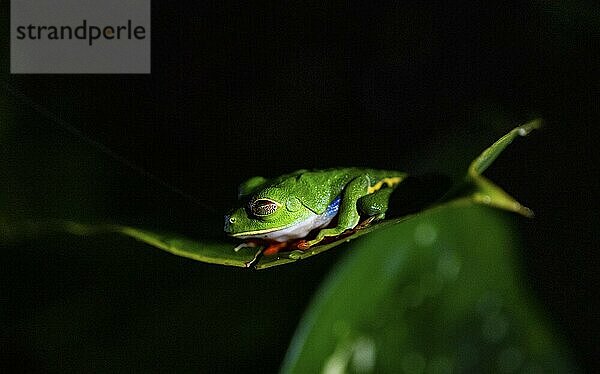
[
  {"x": 474, "y": 189},
  {"x": 487, "y": 157},
  {"x": 213, "y": 252},
  {"x": 436, "y": 294},
  {"x": 484, "y": 191}
]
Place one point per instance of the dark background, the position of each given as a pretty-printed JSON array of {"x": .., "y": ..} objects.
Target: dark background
[{"x": 241, "y": 90}]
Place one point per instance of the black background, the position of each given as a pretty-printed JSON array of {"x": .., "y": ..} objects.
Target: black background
[{"x": 240, "y": 90}]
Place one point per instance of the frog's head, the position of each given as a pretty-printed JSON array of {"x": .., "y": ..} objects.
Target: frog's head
[{"x": 265, "y": 212}]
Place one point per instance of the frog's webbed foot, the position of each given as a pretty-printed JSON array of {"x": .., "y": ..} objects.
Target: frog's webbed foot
[
  {"x": 306, "y": 244},
  {"x": 325, "y": 233}
]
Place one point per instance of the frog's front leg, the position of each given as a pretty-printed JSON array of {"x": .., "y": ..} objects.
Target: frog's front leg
[{"x": 348, "y": 217}]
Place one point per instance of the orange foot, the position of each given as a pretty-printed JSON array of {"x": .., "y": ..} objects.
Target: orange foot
[
  {"x": 274, "y": 248},
  {"x": 302, "y": 245}
]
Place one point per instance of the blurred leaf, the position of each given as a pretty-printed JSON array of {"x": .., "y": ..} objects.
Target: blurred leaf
[
  {"x": 474, "y": 189},
  {"x": 437, "y": 294}
]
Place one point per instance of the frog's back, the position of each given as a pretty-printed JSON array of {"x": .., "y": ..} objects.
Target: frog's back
[
  {"x": 317, "y": 188},
  {"x": 376, "y": 175},
  {"x": 334, "y": 176}
]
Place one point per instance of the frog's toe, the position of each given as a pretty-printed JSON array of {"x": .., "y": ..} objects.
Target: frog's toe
[
  {"x": 367, "y": 222},
  {"x": 303, "y": 245}
]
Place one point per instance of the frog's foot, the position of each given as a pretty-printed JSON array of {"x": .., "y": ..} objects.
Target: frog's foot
[
  {"x": 248, "y": 244},
  {"x": 323, "y": 234},
  {"x": 367, "y": 222},
  {"x": 335, "y": 233},
  {"x": 274, "y": 248},
  {"x": 302, "y": 245}
]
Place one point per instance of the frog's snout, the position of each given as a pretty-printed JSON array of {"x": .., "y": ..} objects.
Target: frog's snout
[{"x": 229, "y": 221}]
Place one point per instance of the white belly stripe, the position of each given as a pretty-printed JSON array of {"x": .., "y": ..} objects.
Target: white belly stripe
[{"x": 300, "y": 229}]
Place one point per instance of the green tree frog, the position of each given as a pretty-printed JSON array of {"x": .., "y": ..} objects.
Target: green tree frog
[{"x": 303, "y": 208}]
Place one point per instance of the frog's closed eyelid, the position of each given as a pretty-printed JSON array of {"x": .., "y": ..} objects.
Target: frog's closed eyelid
[{"x": 263, "y": 207}]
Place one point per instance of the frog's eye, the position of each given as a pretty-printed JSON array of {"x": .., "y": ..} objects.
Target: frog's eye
[{"x": 263, "y": 207}]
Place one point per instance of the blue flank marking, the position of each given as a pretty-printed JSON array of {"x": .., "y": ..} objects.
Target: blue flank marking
[{"x": 333, "y": 208}]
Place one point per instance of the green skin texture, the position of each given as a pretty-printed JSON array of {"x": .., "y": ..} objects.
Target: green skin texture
[{"x": 301, "y": 194}]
